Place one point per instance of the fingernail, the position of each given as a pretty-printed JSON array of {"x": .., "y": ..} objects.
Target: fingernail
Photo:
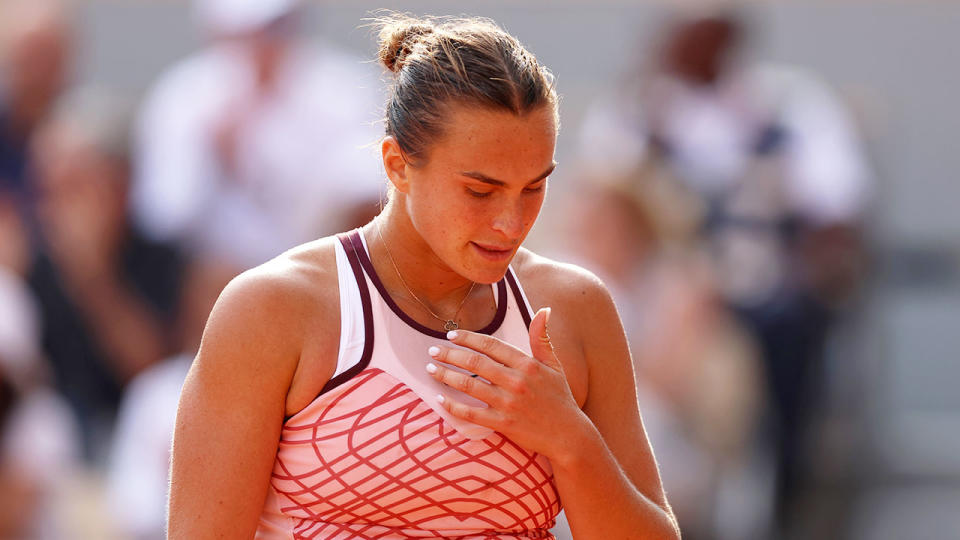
[
  {"x": 431, "y": 368},
  {"x": 451, "y": 335},
  {"x": 546, "y": 318},
  {"x": 440, "y": 398},
  {"x": 433, "y": 351}
]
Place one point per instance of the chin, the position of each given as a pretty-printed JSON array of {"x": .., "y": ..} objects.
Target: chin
[
  {"x": 487, "y": 273},
  {"x": 489, "y": 278}
]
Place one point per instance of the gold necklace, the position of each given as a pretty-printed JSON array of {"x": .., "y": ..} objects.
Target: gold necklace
[{"x": 448, "y": 324}]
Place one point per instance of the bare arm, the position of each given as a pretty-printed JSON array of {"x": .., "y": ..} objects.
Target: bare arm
[
  {"x": 609, "y": 469},
  {"x": 604, "y": 467},
  {"x": 231, "y": 411}
]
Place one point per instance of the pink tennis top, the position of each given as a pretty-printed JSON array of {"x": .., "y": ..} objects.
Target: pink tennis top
[{"x": 375, "y": 455}]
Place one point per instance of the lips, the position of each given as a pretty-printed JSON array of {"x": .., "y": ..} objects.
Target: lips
[{"x": 493, "y": 252}]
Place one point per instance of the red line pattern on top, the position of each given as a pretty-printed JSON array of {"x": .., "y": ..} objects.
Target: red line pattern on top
[{"x": 378, "y": 462}]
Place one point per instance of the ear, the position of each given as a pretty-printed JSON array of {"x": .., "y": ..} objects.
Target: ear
[{"x": 394, "y": 163}]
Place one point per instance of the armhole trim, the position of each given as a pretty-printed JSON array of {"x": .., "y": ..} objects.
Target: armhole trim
[{"x": 367, "y": 319}]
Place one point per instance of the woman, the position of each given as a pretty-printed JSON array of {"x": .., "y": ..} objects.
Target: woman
[{"x": 328, "y": 399}]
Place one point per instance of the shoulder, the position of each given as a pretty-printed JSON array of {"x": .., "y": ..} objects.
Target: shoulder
[
  {"x": 553, "y": 282},
  {"x": 584, "y": 325},
  {"x": 273, "y": 333},
  {"x": 582, "y": 306},
  {"x": 296, "y": 280},
  {"x": 275, "y": 306}
]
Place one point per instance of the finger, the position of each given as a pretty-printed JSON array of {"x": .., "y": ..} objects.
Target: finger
[
  {"x": 471, "y": 386},
  {"x": 494, "y": 348},
  {"x": 472, "y": 361},
  {"x": 540, "y": 345},
  {"x": 482, "y": 416}
]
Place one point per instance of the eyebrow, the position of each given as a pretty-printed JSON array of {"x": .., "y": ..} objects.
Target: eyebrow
[{"x": 493, "y": 181}]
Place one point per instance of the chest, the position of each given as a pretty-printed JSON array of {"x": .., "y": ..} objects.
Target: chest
[{"x": 372, "y": 456}]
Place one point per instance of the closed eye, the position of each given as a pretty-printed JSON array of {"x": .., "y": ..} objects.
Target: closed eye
[
  {"x": 536, "y": 188},
  {"x": 478, "y": 194}
]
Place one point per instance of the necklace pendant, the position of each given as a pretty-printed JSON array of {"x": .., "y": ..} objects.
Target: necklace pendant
[{"x": 450, "y": 325}]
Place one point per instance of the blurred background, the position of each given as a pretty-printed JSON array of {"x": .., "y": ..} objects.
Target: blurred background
[{"x": 767, "y": 188}]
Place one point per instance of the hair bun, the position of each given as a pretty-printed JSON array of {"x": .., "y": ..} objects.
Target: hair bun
[{"x": 397, "y": 37}]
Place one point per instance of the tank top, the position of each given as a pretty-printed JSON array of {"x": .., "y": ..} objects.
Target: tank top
[{"x": 375, "y": 456}]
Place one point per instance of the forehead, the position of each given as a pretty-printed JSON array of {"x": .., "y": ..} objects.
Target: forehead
[{"x": 485, "y": 139}]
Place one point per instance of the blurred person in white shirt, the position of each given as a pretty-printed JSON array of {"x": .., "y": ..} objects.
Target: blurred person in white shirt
[
  {"x": 250, "y": 146},
  {"x": 771, "y": 170},
  {"x": 259, "y": 141}
]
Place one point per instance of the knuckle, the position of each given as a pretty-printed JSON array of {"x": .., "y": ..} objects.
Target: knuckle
[
  {"x": 467, "y": 384},
  {"x": 474, "y": 361},
  {"x": 486, "y": 342},
  {"x": 530, "y": 367}
]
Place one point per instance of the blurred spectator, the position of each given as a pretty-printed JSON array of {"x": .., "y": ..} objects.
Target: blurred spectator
[
  {"x": 255, "y": 144},
  {"x": 769, "y": 162},
  {"x": 107, "y": 295},
  {"x": 14, "y": 242},
  {"x": 39, "y": 442},
  {"x": 138, "y": 470},
  {"x": 244, "y": 149},
  {"x": 697, "y": 372},
  {"x": 35, "y": 64}
]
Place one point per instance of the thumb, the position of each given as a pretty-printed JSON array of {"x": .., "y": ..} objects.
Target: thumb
[{"x": 540, "y": 344}]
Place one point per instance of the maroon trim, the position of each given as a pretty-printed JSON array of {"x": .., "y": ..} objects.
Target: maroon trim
[
  {"x": 525, "y": 310},
  {"x": 367, "y": 319},
  {"x": 354, "y": 237}
]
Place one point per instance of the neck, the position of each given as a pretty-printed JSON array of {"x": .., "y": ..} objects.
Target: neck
[{"x": 402, "y": 257}]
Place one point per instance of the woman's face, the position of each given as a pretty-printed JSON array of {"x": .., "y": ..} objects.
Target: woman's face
[{"x": 480, "y": 190}]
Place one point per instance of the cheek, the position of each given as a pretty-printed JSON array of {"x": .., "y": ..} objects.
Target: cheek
[
  {"x": 531, "y": 208},
  {"x": 435, "y": 212}
]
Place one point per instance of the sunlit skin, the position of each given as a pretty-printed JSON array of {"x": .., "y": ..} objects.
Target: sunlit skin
[
  {"x": 460, "y": 214},
  {"x": 460, "y": 217},
  {"x": 456, "y": 216}
]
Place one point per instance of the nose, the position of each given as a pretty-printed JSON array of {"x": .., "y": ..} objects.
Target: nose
[{"x": 509, "y": 219}]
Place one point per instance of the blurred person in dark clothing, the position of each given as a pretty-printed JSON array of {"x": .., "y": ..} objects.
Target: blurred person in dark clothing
[
  {"x": 770, "y": 161},
  {"x": 107, "y": 295},
  {"x": 15, "y": 255},
  {"x": 39, "y": 440},
  {"x": 35, "y": 64},
  {"x": 139, "y": 464}
]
